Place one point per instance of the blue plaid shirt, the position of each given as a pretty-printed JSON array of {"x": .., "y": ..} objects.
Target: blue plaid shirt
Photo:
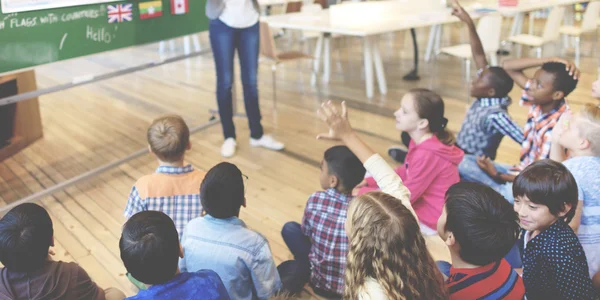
[{"x": 172, "y": 190}]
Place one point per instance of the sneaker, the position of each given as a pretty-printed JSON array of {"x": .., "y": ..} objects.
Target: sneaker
[
  {"x": 228, "y": 148},
  {"x": 267, "y": 141},
  {"x": 397, "y": 153}
]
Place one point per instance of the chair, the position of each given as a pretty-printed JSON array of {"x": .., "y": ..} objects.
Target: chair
[
  {"x": 269, "y": 51},
  {"x": 310, "y": 9},
  {"x": 551, "y": 33},
  {"x": 489, "y": 29},
  {"x": 588, "y": 25}
]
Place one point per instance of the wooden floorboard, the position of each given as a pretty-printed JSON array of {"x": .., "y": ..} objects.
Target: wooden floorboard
[{"x": 92, "y": 125}]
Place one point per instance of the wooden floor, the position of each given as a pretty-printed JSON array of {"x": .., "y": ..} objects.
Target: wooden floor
[{"x": 88, "y": 126}]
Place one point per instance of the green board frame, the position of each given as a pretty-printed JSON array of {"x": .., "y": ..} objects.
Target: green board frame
[{"x": 29, "y": 39}]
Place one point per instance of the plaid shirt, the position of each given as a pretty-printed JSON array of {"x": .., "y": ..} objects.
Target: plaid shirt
[
  {"x": 323, "y": 221},
  {"x": 538, "y": 130},
  {"x": 172, "y": 190}
]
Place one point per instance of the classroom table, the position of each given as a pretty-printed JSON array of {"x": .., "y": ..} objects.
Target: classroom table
[{"x": 368, "y": 20}]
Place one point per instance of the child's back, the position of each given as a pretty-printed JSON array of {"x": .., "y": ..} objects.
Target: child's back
[
  {"x": 175, "y": 187},
  {"x": 172, "y": 190}
]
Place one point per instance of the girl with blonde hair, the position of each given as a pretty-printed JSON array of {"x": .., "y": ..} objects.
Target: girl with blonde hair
[{"x": 387, "y": 256}]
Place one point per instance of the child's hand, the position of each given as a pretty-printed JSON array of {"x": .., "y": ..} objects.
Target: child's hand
[
  {"x": 50, "y": 254},
  {"x": 487, "y": 165},
  {"x": 339, "y": 126},
  {"x": 570, "y": 67},
  {"x": 460, "y": 12}
]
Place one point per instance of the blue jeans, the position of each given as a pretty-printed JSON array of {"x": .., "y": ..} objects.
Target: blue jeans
[
  {"x": 470, "y": 171},
  {"x": 296, "y": 273},
  {"x": 224, "y": 40}
]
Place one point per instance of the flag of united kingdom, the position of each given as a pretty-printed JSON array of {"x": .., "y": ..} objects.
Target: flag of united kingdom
[{"x": 120, "y": 13}]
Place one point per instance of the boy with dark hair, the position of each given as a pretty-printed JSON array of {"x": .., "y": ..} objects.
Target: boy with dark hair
[
  {"x": 545, "y": 94},
  {"x": 26, "y": 235},
  {"x": 480, "y": 228},
  {"x": 220, "y": 240},
  {"x": 487, "y": 120},
  {"x": 554, "y": 263},
  {"x": 174, "y": 187},
  {"x": 150, "y": 251},
  {"x": 320, "y": 244}
]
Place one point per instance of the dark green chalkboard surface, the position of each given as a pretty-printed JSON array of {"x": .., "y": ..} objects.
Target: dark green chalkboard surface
[{"x": 33, "y": 38}]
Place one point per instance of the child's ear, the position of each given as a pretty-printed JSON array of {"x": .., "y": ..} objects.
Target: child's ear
[
  {"x": 585, "y": 144},
  {"x": 423, "y": 124},
  {"x": 180, "y": 251},
  {"x": 450, "y": 240},
  {"x": 491, "y": 92},
  {"x": 558, "y": 95},
  {"x": 189, "y": 146},
  {"x": 333, "y": 181},
  {"x": 566, "y": 209}
]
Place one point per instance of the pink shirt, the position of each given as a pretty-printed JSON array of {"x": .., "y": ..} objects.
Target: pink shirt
[{"x": 431, "y": 167}]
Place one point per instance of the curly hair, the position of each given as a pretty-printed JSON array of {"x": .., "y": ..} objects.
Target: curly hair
[{"x": 385, "y": 243}]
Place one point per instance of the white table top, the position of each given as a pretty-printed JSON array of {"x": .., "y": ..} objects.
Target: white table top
[{"x": 377, "y": 17}]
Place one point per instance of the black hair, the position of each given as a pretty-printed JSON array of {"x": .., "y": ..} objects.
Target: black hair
[
  {"x": 548, "y": 183},
  {"x": 483, "y": 223},
  {"x": 25, "y": 237},
  {"x": 500, "y": 81},
  {"x": 345, "y": 166},
  {"x": 222, "y": 191},
  {"x": 563, "y": 82},
  {"x": 149, "y": 247}
]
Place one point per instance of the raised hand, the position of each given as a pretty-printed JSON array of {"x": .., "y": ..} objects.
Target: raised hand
[{"x": 339, "y": 126}]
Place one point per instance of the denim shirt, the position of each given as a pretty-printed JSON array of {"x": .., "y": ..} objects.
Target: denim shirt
[{"x": 240, "y": 256}]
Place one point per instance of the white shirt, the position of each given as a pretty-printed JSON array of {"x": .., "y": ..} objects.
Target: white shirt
[
  {"x": 239, "y": 13},
  {"x": 371, "y": 290}
]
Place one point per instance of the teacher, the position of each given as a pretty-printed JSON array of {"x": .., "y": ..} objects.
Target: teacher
[{"x": 234, "y": 26}]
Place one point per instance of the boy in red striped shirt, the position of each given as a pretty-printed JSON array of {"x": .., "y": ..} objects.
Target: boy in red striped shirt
[{"x": 480, "y": 228}]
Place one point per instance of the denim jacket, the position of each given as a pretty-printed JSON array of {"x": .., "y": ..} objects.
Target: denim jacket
[{"x": 240, "y": 256}]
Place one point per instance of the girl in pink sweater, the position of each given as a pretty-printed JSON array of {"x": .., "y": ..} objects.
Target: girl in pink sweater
[{"x": 431, "y": 165}]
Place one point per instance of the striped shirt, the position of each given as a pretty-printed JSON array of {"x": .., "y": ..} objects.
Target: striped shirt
[
  {"x": 496, "y": 280},
  {"x": 538, "y": 129},
  {"x": 172, "y": 190}
]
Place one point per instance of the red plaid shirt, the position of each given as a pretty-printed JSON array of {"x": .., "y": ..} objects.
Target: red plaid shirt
[
  {"x": 323, "y": 221},
  {"x": 538, "y": 130}
]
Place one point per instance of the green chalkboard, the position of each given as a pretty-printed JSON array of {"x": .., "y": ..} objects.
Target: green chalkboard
[{"x": 33, "y": 38}]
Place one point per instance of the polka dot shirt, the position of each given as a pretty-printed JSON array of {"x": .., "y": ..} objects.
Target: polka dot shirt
[{"x": 555, "y": 266}]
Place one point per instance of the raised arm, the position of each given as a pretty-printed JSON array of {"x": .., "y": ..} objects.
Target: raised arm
[
  {"x": 476, "y": 46},
  {"x": 515, "y": 67}
]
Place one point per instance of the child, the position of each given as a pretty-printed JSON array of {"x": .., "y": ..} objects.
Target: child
[
  {"x": 554, "y": 263},
  {"x": 387, "y": 255},
  {"x": 487, "y": 120},
  {"x": 545, "y": 93},
  {"x": 431, "y": 165},
  {"x": 220, "y": 241},
  {"x": 580, "y": 135},
  {"x": 320, "y": 244},
  {"x": 26, "y": 235},
  {"x": 480, "y": 228},
  {"x": 150, "y": 250},
  {"x": 174, "y": 188}
]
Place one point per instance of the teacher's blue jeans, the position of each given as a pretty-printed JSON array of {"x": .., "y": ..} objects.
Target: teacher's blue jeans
[{"x": 224, "y": 40}]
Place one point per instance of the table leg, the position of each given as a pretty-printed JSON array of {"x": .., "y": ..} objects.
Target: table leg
[
  {"x": 368, "y": 66},
  {"x": 327, "y": 58},
  {"x": 379, "y": 70},
  {"x": 317, "y": 60},
  {"x": 430, "y": 42}
]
